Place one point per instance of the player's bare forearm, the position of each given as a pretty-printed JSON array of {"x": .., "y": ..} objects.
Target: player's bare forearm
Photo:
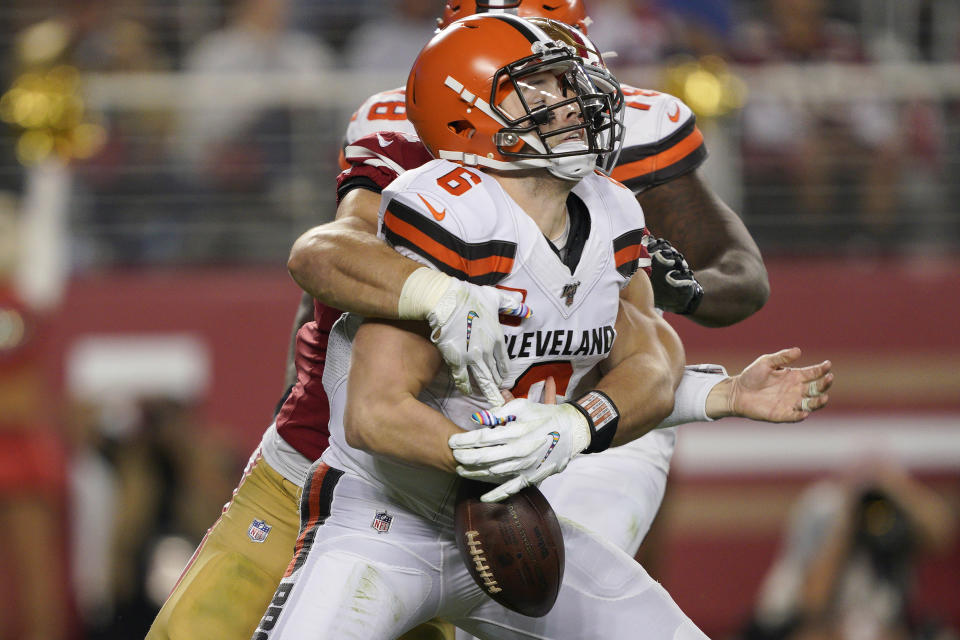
[
  {"x": 344, "y": 265},
  {"x": 645, "y": 365},
  {"x": 715, "y": 242},
  {"x": 392, "y": 362}
]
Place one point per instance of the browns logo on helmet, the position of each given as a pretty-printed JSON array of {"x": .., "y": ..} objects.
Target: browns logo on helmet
[{"x": 528, "y": 102}]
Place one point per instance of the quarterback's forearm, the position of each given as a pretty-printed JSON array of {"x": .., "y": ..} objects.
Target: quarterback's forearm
[
  {"x": 716, "y": 244},
  {"x": 344, "y": 265},
  {"x": 390, "y": 366},
  {"x": 644, "y": 368}
]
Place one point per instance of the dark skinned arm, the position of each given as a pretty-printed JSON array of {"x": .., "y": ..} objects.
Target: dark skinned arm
[{"x": 716, "y": 244}]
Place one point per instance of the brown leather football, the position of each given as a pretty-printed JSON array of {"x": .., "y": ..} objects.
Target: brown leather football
[{"x": 513, "y": 548}]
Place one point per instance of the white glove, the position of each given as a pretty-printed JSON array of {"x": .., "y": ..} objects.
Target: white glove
[
  {"x": 465, "y": 326},
  {"x": 535, "y": 441}
]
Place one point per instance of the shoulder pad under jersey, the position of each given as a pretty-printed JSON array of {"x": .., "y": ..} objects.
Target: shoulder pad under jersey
[
  {"x": 607, "y": 197},
  {"x": 453, "y": 218},
  {"x": 661, "y": 142}
]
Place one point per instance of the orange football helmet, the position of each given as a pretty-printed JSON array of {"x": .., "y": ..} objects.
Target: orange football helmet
[
  {"x": 460, "y": 80},
  {"x": 570, "y": 12}
]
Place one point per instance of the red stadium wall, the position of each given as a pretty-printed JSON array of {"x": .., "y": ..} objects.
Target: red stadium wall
[
  {"x": 890, "y": 329},
  {"x": 242, "y": 316}
]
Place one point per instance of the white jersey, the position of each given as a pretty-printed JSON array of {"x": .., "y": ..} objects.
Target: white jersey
[
  {"x": 661, "y": 142},
  {"x": 460, "y": 221},
  {"x": 384, "y": 111}
]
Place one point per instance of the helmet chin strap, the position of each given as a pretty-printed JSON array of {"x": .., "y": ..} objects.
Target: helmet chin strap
[{"x": 572, "y": 167}]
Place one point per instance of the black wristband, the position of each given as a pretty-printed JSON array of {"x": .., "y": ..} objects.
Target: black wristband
[{"x": 602, "y": 417}]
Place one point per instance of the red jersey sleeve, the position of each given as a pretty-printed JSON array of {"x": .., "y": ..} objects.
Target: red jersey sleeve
[{"x": 375, "y": 160}]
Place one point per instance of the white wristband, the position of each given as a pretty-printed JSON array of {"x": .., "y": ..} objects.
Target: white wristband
[
  {"x": 690, "y": 400},
  {"x": 421, "y": 291}
]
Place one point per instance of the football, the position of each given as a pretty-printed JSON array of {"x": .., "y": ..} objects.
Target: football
[{"x": 513, "y": 548}]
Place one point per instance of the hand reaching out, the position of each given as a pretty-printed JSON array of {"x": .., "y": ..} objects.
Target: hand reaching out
[{"x": 769, "y": 389}]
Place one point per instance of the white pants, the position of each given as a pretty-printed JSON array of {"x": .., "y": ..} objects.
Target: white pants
[
  {"x": 615, "y": 493},
  {"x": 349, "y": 580}
]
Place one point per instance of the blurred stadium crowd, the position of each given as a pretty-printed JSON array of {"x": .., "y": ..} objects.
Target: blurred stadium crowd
[{"x": 206, "y": 132}]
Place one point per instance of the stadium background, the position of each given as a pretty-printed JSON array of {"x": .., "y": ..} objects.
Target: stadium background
[{"x": 160, "y": 158}]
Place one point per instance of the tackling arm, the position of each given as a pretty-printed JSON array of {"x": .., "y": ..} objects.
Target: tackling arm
[
  {"x": 641, "y": 375},
  {"x": 716, "y": 244},
  {"x": 391, "y": 364},
  {"x": 344, "y": 265}
]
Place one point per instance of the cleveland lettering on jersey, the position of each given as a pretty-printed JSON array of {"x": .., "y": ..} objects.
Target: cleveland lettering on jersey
[{"x": 561, "y": 342}]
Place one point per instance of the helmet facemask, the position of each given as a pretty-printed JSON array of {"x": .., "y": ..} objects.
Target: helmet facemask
[
  {"x": 570, "y": 150},
  {"x": 612, "y": 126},
  {"x": 592, "y": 60}
]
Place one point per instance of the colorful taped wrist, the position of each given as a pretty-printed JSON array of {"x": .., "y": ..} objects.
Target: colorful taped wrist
[
  {"x": 487, "y": 419},
  {"x": 523, "y": 311}
]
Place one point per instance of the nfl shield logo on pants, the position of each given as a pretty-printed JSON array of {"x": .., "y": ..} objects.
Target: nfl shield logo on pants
[
  {"x": 258, "y": 531},
  {"x": 381, "y": 521}
]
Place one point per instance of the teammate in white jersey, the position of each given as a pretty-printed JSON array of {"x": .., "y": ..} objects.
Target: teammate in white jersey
[{"x": 528, "y": 114}]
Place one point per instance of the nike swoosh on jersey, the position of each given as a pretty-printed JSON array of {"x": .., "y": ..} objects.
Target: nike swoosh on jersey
[
  {"x": 385, "y": 143},
  {"x": 676, "y": 114},
  {"x": 439, "y": 215}
]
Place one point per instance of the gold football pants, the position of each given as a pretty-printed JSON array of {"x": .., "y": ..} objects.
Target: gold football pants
[{"x": 233, "y": 574}]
